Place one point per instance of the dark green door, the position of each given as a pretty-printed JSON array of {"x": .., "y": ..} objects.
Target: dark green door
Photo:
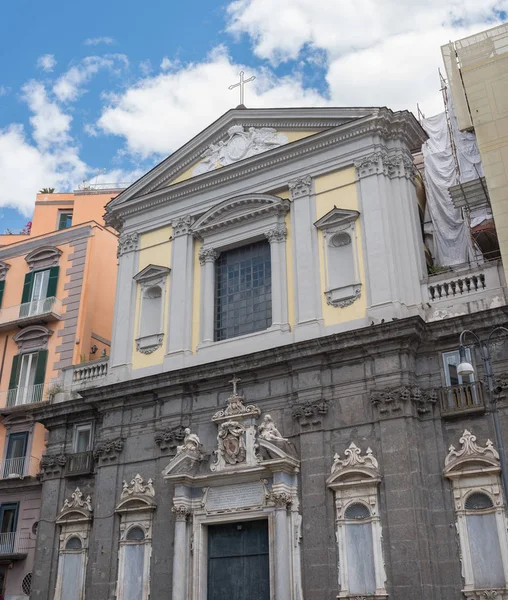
[{"x": 238, "y": 563}]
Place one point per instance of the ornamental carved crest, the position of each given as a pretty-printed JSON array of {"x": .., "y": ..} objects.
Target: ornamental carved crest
[
  {"x": 240, "y": 143},
  {"x": 231, "y": 442}
]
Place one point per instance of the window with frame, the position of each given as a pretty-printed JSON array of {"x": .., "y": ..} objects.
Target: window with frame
[
  {"x": 26, "y": 384},
  {"x": 15, "y": 457},
  {"x": 39, "y": 291},
  {"x": 64, "y": 219},
  {"x": 243, "y": 291},
  {"x": 82, "y": 438}
]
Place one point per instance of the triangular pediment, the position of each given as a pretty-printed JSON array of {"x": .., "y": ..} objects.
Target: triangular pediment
[
  {"x": 336, "y": 217},
  {"x": 151, "y": 272},
  {"x": 238, "y": 135}
]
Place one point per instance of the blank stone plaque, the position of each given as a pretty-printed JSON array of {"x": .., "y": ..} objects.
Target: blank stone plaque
[{"x": 241, "y": 495}]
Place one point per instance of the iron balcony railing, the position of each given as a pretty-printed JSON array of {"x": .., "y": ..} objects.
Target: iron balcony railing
[
  {"x": 51, "y": 306},
  {"x": 462, "y": 399},
  {"x": 79, "y": 463},
  {"x": 18, "y": 468},
  {"x": 14, "y": 543},
  {"x": 29, "y": 394}
]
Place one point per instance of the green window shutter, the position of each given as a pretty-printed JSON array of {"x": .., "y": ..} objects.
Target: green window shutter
[
  {"x": 52, "y": 282},
  {"x": 16, "y": 364},
  {"x": 2, "y": 286},
  {"x": 40, "y": 369},
  {"x": 27, "y": 287}
]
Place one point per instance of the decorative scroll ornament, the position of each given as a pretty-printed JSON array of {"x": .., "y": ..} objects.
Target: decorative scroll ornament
[
  {"x": 354, "y": 459},
  {"x": 207, "y": 255},
  {"x": 277, "y": 234},
  {"x": 343, "y": 302},
  {"x": 108, "y": 449},
  {"x": 240, "y": 144},
  {"x": 191, "y": 443},
  {"x": 182, "y": 225},
  {"x": 149, "y": 343},
  {"x": 391, "y": 401},
  {"x": 77, "y": 501},
  {"x": 128, "y": 242},
  {"x": 269, "y": 432},
  {"x": 470, "y": 449},
  {"x": 4, "y": 267},
  {"x": 137, "y": 487},
  {"x": 168, "y": 438},
  {"x": 300, "y": 187},
  {"x": 281, "y": 499},
  {"x": 235, "y": 407}
]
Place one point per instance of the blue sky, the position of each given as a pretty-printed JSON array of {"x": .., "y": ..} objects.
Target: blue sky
[{"x": 104, "y": 90}]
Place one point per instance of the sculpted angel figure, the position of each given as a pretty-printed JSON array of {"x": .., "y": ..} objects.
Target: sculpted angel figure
[
  {"x": 269, "y": 432},
  {"x": 191, "y": 442}
]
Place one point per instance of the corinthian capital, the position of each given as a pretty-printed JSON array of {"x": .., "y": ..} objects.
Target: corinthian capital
[
  {"x": 207, "y": 255},
  {"x": 277, "y": 234},
  {"x": 182, "y": 225},
  {"x": 300, "y": 187},
  {"x": 181, "y": 512}
]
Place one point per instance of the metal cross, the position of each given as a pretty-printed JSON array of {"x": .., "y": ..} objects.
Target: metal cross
[
  {"x": 234, "y": 381},
  {"x": 241, "y": 84}
]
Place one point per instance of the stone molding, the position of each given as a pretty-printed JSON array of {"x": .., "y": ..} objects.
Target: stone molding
[
  {"x": 51, "y": 465},
  {"x": 207, "y": 255},
  {"x": 152, "y": 275},
  {"x": 394, "y": 401},
  {"x": 169, "y": 438},
  {"x": 470, "y": 450},
  {"x": 77, "y": 501},
  {"x": 182, "y": 225},
  {"x": 276, "y": 234},
  {"x": 34, "y": 337},
  {"x": 127, "y": 242},
  {"x": 137, "y": 488},
  {"x": 354, "y": 459},
  {"x": 237, "y": 409},
  {"x": 310, "y": 412},
  {"x": 181, "y": 512},
  {"x": 391, "y": 164},
  {"x": 4, "y": 267},
  {"x": 43, "y": 257},
  {"x": 281, "y": 500},
  {"x": 494, "y": 594},
  {"x": 344, "y": 296},
  {"x": 300, "y": 187},
  {"x": 146, "y": 344},
  {"x": 108, "y": 450}
]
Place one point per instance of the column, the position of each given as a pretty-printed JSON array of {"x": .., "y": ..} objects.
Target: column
[
  {"x": 207, "y": 258},
  {"x": 180, "y": 289},
  {"x": 125, "y": 302},
  {"x": 305, "y": 252},
  {"x": 277, "y": 239},
  {"x": 283, "y": 587},
  {"x": 180, "y": 552}
]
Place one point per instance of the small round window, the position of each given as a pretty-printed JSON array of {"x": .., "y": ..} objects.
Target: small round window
[
  {"x": 135, "y": 534},
  {"x": 341, "y": 239},
  {"x": 73, "y": 543},
  {"x": 478, "y": 501},
  {"x": 356, "y": 511}
]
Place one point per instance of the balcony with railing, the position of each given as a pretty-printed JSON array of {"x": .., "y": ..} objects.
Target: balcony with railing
[
  {"x": 19, "y": 468},
  {"x": 79, "y": 463},
  {"x": 464, "y": 289},
  {"x": 46, "y": 309},
  {"x": 22, "y": 396},
  {"x": 82, "y": 376},
  {"x": 14, "y": 545},
  {"x": 458, "y": 400}
]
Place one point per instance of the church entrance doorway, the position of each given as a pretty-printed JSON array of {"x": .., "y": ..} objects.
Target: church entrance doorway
[{"x": 238, "y": 561}]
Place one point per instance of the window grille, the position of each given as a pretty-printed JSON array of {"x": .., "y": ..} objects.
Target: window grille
[
  {"x": 478, "y": 501},
  {"x": 357, "y": 510},
  {"x": 26, "y": 585},
  {"x": 135, "y": 534}
]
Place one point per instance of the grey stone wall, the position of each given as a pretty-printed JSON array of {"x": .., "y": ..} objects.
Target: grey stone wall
[{"x": 320, "y": 393}]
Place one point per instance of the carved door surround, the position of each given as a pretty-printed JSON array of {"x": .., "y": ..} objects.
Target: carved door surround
[{"x": 250, "y": 475}]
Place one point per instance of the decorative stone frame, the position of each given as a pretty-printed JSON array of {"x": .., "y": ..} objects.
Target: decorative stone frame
[
  {"x": 136, "y": 508},
  {"x": 355, "y": 479},
  {"x": 234, "y": 222},
  {"x": 152, "y": 276},
  {"x": 32, "y": 339},
  {"x": 474, "y": 468},
  {"x": 340, "y": 221},
  {"x": 4, "y": 267},
  {"x": 75, "y": 520},
  {"x": 43, "y": 258}
]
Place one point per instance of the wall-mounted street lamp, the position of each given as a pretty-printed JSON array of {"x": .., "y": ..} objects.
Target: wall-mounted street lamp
[{"x": 466, "y": 368}]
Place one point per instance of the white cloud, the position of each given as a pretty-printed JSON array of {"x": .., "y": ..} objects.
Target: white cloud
[
  {"x": 160, "y": 113},
  {"x": 382, "y": 53},
  {"x": 46, "y": 62},
  {"x": 99, "y": 40},
  {"x": 4, "y": 90},
  {"x": 145, "y": 66},
  {"x": 69, "y": 85}
]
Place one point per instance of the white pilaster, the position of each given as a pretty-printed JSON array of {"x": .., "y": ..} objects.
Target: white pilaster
[
  {"x": 207, "y": 258},
  {"x": 180, "y": 553},
  {"x": 277, "y": 239},
  {"x": 283, "y": 587}
]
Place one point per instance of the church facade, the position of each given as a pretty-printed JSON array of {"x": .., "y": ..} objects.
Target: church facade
[{"x": 283, "y": 417}]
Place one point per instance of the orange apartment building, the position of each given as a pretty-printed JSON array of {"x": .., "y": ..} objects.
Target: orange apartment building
[{"x": 57, "y": 289}]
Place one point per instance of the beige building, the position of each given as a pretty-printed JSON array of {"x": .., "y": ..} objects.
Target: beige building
[{"x": 477, "y": 71}]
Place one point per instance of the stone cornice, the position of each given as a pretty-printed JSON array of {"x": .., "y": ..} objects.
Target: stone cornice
[{"x": 382, "y": 122}]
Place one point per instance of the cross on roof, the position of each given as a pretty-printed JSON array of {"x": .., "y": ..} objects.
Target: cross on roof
[
  {"x": 234, "y": 381},
  {"x": 241, "y": 85}
]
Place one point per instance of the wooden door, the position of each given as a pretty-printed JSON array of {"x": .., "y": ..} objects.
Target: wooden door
[{"x": 238, "y": 561}]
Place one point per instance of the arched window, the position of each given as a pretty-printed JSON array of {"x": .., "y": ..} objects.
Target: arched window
[
  {"x": 354, "y": 481},
  {"x": 342, "y": 273},
  {"x": 73, "y": 543},
  {"x": 481, "y": 521}
]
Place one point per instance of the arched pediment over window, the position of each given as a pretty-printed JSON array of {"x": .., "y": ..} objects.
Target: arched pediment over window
[
  {"x": 471, "y": 457},
  {"x": 43, "y": 257},
  {"x": 33, "y": 338},
  {"x": 4, "y": 267},
  {"x": 234, "y": 211}
]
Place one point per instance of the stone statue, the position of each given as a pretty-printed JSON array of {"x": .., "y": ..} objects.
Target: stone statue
[
  {"x": 269, "y": 432},
  {"x": 191, "y": 442}
]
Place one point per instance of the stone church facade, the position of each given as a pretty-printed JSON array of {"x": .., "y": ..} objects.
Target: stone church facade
[{"x": 282, "y": 417}]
